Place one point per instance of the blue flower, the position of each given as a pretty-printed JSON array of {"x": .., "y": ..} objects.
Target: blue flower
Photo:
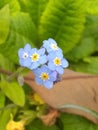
[
  {"x": 51, "y": 45},
  {"x": 57, "y": 62},
  {"x": 44, "y": 76},
  {"x": 23, "y": 54},
  {"x": 38, "y": 58}
]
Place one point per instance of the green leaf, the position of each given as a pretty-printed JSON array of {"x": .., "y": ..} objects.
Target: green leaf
[
  {"x": 74, "y": 122},
  {"x": 91, "y": 26},
  {"x": 2, "y": 99},
  {"x": 5, "y": 63},
  {"x": 13, "y": 5},
  {"x": 4, "y": 23},
  {"x": 22, "y": 31},
  {"x": 92, "y": 6},
  {"x": 35, "y": 8},
  {"x": 88, "y": 65},
  {"x": 14, "y": 92},
  {"x": 83, "y": 49},
  {"x": 88, "y": 44},
  {"x": 38, "y": 125},
  {"x": 4, "y": 118},
  {"x": 3, "y": 3},
  {"x": 63, "y": 21}
]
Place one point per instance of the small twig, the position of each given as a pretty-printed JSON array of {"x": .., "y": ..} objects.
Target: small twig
[
  {"x": 5, "y": 72},
  {"x": 8, "y": 107},
  {"x": 65, "y": 78},
  {"x": 10, "y": 77},
  {"x": 78, "y": 107},
  {"x": 10, "y": 73}
]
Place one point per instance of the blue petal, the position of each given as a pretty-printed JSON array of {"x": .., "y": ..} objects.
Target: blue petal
[
  {"x": 20, "y": 52},
  {"x": 37, "y": 72},
  {"x": 48, "y": 84},
  {"x": 60, "y": 70},
  {"x": 53, "y": 76},
  {"x": 43, "y": 59},
  {"x": 64, "y": 63},
  {"x": 45, "y": 68},
  {"x": 41, "y": 51},
  {"x": 59, "y": 54},
  {"x": 51, "y": 56},
  {"x": 27, "y": 47},
  {"x": 38, "y": 80},
  {"x": 51, "y": 66},
  {"x": 52, "y": 41},
  {"x": 27, "y": 62},
  {"x": 21, "y": 62},
  {"x": 46, "y": 43},
  {"x": 34, "y": 65},
  {"x": 33, "y": 51}
]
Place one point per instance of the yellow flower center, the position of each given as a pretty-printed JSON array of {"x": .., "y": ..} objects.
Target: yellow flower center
[
  {"x": 44, "y": 76},
  {"x": 35, "y": 57},
  {"x": 57, "y": 61},
  {"x": 54, "y": 46}
]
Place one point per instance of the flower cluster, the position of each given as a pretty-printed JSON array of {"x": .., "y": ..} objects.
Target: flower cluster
[{"x": 47, "y": 63}]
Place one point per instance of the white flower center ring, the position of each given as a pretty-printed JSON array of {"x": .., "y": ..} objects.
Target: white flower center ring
[
  {"x": 25, "y": 55},
  {"x": 54, "y": 46},
  {"x": 35, "y": 57},
  {"x": 44, "y": 76},
  {"x": 57, "y": 61}
]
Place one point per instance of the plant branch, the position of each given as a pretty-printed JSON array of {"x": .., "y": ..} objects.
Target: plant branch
[
  {"x": 65, "y": 78},
  {"x": 8, "y": 107},
  {"x": 73, "y": 106}
]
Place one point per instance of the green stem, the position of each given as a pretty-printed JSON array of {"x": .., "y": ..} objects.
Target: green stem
[
  {"x": 8, "y": 107},
  {"x": 73, "y": 106},
  {"x": 19, "y": 70}
]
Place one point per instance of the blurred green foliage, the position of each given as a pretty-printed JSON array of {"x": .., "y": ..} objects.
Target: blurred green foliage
[{"x": 73, "y": 24}]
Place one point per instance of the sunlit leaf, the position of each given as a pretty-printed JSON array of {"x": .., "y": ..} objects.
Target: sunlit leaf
[
  {"x": 4, "y": 118},
  {"x": 83, "y": 49},
  {"x": 22, "y": 31},
  {"x": 4, "y": 23},
  {"x": 14, "y": 92},
  {"x": 92, "y": 6},
  {"x": 88, "y": 65},
  {"x": 35, "y": 8},
  {"x": 63, "y": 21}
]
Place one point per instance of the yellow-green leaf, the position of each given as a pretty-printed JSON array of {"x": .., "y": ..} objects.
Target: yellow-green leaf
[
  {"x": 2, "y": 99},
  {"x": 4, "y": 23},
  {"x": 64, "y": 21},
  {"x": 4, "y": 118},
  {"x": 92, "y": 6},
  {"x": 22, "y": 31},
  {"x": 14, "y": 92}
]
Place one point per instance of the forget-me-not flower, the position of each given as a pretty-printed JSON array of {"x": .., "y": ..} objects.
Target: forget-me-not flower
[
  {"x": 51, "y": 45},
  {"x": 44, "y": 76},
  {"x": 23, "y": 54},
  {"x": 38, "y": 58},
  {"x": 57, "y": 62},
  {"x": 47, "y": 63}
]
